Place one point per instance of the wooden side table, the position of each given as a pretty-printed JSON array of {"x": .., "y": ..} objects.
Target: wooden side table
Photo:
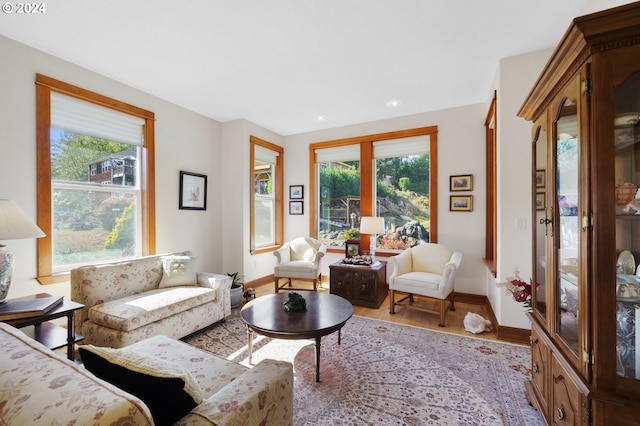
[
  {"x": 50, "y": 334},
  {"x": 361, "y": 285}
]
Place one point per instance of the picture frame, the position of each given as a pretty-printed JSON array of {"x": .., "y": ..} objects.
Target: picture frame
[
  {"x": 540, "y": 199},
  {"x": 296, "y": 207},
  {"x": 461, "y": 203},
  {"x": 296, "y": 192},
  {"x": 352, "y": 248},
  {"x": 540, "y": 178},
  {"x": 193, "y": 191},
  {"x": 460, "y": 183}
]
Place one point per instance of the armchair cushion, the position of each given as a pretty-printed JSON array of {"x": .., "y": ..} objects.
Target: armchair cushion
[{"x": 168, "y": 389}]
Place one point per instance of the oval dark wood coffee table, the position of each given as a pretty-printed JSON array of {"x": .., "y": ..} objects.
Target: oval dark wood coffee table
[{"x": 325, "y": 314}]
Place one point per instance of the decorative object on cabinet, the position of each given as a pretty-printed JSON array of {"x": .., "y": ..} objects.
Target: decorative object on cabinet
[
  {"x": 296, "y": 192},
  {"x": 295, "y": 207},
  {"x": 14, "y": 225},
  {"x": 193, "y": 191},
  {"x": 460, "y": 183},
  {"x": 461, "y": 203},
  {"x": 351, "y": 248},
  {"x": 585, "y": 343}
]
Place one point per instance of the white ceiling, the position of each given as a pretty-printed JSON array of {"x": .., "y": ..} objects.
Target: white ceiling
[{"x": 282, "y": 63}]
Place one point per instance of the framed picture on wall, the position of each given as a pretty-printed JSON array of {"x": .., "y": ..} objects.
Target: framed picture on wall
[
  {"x": 540, "y": 201},
  {"x": 295, "y": 207},
  {"x": 540, "y": 176},
  {"x": 193, "y": 191},
  {"x": 461, "y": 203},
  {"x": 296, "y": 192},
  {"x": 460, "y": 183}
]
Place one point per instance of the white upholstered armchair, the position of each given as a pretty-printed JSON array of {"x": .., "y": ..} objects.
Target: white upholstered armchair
[
  {"x": 426, "y": 270},
  {"x": 299, "y": 259}
]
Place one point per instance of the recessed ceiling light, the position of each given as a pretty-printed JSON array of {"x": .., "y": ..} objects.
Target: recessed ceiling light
[
  {"x": 393, "y": 103},
  {"x": 320, "y": 118}
]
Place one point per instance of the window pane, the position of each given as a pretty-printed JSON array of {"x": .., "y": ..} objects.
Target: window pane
[
  {"x": 339, "y": 190},
  {"x": 91, "y": 226},
  {"x": 91, "y": 221},
  {"x": 402, "y": 198},
  {"x": 264, "y": 203}
]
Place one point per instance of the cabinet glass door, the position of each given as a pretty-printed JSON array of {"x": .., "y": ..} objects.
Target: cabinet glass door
[
  {"x": 627, "y": 179},
  {"x": 567, "y": 223},
  {"x": 541, "y": 220}
]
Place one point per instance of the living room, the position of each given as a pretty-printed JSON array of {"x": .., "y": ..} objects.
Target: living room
[{"x": 189, "y": 141}]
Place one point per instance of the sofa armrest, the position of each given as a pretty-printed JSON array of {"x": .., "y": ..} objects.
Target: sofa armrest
[
  {"x": 215, "y": 281},
  {"x": 262, "y": 395}
]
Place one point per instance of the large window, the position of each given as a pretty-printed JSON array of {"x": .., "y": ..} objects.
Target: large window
[
  {"x": 95, "y": 179},
  {"x": 392, "y": 175},
  {"x": 266, "y": 195}
]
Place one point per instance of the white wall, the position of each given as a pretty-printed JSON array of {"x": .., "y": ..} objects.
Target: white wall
[
  {"x": 184, "y": 141},
  {"x": 461, "y": 150},
  {"x": 514, "y": 79}
]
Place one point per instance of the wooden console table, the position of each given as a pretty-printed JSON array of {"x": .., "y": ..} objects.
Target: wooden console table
[
  {"x": 50, "y": 334},
  {"x": 362, "y": 285}
]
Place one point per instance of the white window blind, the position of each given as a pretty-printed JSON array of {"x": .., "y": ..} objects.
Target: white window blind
[
  {"x": 338, "y": 153},
  {"x": 265, "y": 155},
  {"x": 77, "y": 116},
  {"x": 403, "y": 147}
]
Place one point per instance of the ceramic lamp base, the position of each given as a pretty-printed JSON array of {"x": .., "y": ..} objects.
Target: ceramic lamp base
[{"x": 6, "y": 271}]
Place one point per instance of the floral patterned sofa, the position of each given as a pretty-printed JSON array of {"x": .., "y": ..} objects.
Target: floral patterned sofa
[
  {"x": 129, "y": 301},
  {"x": 41, "y": 387}
]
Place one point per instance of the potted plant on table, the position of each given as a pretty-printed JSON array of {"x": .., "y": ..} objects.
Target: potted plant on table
[{"x": 236, "y": 289}]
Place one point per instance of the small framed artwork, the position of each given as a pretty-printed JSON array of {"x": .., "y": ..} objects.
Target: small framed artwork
[
  {"x": 295, "y": 207},
  {"x": 460, "y": 183},
  {"x": 461, "y": 203},
  {"x": 540, "y": 177},
  {"x": 352, "y": 248},
  {"x": 193, "y": 191},
  {"x": 296, "y": 192},
  {"x": 540, "y": 201}
]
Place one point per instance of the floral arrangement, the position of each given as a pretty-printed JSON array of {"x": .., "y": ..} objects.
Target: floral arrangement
[{"x": 518, "y": 289}]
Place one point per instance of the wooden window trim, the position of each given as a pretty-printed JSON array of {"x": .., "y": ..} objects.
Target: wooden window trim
[
  {"x": 44, "y": 86},
  {"x": 366, "y": 175},
  {"x": 279, "y": 199},
  {"x": 491, "y": 225}
]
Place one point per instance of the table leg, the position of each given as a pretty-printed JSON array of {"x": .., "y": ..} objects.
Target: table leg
[
  {"x": 250, "y": 344},
  {"x": 339, "y": 335},
  {"x": 71, "y": 336},
  {"x": 318, "y": 358}
]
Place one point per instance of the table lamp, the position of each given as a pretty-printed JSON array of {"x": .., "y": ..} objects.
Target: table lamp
[
  {"x": 14, "y": 225},
  {"x": 372, "y": 226}
]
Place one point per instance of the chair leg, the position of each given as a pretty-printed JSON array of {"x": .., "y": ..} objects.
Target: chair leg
[
  {"x": 452, "y": 306},
  {"x": 277, "y": 288},
  {"x": 315, "y": 284},
  {"x": 443, "y": 311},
  {"x": 392, "y": 306}
]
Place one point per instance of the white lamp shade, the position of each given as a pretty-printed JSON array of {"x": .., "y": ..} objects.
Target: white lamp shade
[
  {"x": 372, "y": 225},
  {"x": 15, "y": 224}
]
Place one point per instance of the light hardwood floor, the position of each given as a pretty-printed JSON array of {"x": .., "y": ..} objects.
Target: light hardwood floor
[{"x": 408, "y": 316}]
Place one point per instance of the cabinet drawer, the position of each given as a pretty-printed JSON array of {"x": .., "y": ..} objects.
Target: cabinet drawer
[
  {"x": 341, "y": 283},
  {"x": 569, "y": 405},
  {"x": 540, "y": 369}
]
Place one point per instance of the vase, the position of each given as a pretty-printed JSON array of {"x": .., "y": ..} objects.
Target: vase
[{"x": 236, "y": 296}]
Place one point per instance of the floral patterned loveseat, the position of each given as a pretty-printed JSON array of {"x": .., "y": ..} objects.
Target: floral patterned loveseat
[
  {"x": 129, "y": 301},
  {"x": 42, "y": 387}
]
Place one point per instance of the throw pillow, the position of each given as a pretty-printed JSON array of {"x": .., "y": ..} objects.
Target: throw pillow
[
  {"x": 178, "y": 271},
  {"x": 168, "y": 389}
]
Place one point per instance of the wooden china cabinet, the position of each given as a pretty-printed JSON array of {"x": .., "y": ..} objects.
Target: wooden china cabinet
[{"x": 585, "y": 337}]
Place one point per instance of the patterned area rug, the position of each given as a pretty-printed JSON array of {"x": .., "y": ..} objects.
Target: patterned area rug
[{"x": 391, "y": 374}]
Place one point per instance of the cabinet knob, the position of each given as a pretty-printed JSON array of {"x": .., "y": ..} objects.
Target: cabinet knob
[
  {"x": 545, "y": 221},
  {"x": 560, "y": 413},
  {"x": 536, "y": 367}
]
